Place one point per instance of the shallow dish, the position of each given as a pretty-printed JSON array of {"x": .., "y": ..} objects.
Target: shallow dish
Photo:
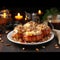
[{"x": 9, "y": 36}]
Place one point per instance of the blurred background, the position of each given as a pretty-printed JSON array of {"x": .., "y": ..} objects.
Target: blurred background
[{"x": 30, "y": 4}]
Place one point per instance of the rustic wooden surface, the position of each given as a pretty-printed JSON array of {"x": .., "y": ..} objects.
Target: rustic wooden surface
[{"x": 7, "y": 46}]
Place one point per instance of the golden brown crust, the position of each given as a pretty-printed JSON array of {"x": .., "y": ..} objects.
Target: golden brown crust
[{"x": 31, "y": 32}]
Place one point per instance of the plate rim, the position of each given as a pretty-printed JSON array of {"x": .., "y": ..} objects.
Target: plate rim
[{"x": 28, "y": 43}]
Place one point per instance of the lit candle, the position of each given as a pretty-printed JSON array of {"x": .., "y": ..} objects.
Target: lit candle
[
  {"x": 4, "y": 15},
  {"x": 39, "y": 12},
  {"x": 18, "y": 16}
]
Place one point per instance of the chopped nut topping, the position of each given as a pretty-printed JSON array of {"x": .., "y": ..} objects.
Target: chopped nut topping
[
  {"x": 37, "y": 49},
  {"x": 0, "y": 38},
  {"x": 1, "y": 41},
  {"x": 8, "y": 44},
  {"x": 23, "y": 48},
  {"x": 0, "y": 34},
  {"x": 6, "y": 31},
  {"x": 43, "y": 46},
  {"x": 57, "y": 47}
]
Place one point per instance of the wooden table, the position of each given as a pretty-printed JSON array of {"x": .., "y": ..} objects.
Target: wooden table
[{"x": 7, "y": 46}]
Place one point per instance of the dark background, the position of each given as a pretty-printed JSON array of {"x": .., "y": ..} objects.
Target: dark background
[{"x": 29, "y": 4}]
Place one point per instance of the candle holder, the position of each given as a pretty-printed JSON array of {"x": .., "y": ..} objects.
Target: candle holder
[
  {"x": 18, "y": 17},
  {"x": 5, "y": 17}
]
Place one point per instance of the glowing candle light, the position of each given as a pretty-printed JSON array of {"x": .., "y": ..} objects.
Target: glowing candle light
[
  {"x": 18, "y": 16},
  {"x": 4, "y": 15},
  {"x": 39, "y": 12}
]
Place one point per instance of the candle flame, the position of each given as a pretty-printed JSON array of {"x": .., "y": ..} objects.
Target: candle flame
[
  {"x": 18, "y": 14},
  {"x": 4, "y": 15},
  {"x": 39, "y": 12}
]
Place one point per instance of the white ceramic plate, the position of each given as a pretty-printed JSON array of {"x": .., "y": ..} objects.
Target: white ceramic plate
[{"x": 9, "y": 36}]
